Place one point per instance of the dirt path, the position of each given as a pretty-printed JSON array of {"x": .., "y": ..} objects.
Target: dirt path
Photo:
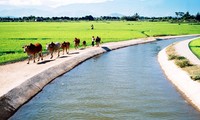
[
  {"x": 12, "y": 75},
  {"x": 183, "y": 50}
]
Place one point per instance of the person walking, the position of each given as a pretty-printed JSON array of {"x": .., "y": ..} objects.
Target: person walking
[
  {"x": 92, "y": 27},
  {"x": 93, "y": 40}
]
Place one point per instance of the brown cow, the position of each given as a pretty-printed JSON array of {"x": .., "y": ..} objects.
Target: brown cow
[
  {"x": 84, "y": 44},
  {"x": 65, "y": 46},
  {"x": 53, "y": 47},
  {"x": 33, "y": 49},
  {"x": 77, "y": 42}
]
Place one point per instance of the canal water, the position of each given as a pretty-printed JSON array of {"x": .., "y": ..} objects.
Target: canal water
[{"x": 124, "y": 84}]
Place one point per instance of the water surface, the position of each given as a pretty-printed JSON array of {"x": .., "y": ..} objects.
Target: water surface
[{"x": 125, "y": 84}]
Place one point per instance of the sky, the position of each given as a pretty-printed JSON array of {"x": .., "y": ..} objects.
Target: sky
[{"x": 79, "y": 8}]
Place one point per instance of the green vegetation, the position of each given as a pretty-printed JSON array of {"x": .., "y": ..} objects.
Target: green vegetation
[
  {"x": 194, "y": 72},
  {"x": 181, "y": 17},
  {"x": 182, "y": 62},
  {"x": 13, "y": 35},
  {"x": 195, "y": 47}
]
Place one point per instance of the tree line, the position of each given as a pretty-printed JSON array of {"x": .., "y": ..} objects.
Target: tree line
[{"x": 180, "y": 17}]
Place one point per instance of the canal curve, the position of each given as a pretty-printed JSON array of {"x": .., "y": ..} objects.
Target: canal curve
[{"x": 122, "y": 84}]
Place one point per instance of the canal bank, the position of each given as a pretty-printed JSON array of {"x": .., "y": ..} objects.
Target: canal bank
[
  {"x": 21, "y": 81},
  {"x": 180, "y": 78}
]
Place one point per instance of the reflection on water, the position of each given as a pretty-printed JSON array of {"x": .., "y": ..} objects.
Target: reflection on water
[{"x": 123, "y": 84}]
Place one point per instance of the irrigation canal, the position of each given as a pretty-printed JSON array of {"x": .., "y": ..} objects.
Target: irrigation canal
[{"x": 123, "y": 84}]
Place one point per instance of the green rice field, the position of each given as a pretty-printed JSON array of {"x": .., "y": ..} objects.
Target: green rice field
[
  {"x": 14, "y": 35},
  {"x": 195, "y": 47}
]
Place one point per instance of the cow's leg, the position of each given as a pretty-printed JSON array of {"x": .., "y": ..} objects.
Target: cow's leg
[
  {"x": 41, "y": 55},
  {"x": 76, "y": 46},
  {"x": 67, "y": 51},
  {"x": 28, "y": 60},
  {"x": 63, "y": 50},
  {"x": 51, "y": 55},
  {"x": 34, "y": 58},
  {"x": 58, "y": 53}
]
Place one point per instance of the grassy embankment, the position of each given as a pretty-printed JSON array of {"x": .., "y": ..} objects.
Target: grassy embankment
[
  {"x": 182, "y": 62},
  {"x": 195, "y": 47},
  {"x": 14, "y": 35}
]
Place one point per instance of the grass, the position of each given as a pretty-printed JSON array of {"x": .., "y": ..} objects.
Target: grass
[
  {"x": 195, "y": 47},
  {"x": 194, "y": 72},
  {"x": 13, "y": 35},
  {"x": 182, "y": 62}
]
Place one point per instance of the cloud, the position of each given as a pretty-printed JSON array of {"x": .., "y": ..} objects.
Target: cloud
[
  {"x": 2, "y": 2},
  {"x": 24, "y": 2},
  {"x": 49, "y": 3},
  {"x": 57, "y": 3}
]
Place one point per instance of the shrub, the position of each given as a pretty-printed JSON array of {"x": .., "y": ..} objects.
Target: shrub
[
  {"x": 182, "y": 63},
  {"x": 180, "y": 58},
  {"x": 172, "y": 57},
  {"x": 195, "y": 77}
]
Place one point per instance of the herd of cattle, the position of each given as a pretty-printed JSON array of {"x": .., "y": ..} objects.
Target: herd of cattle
[{"x": 34, "y": 49}]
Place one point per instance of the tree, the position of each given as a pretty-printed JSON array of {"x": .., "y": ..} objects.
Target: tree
[
  {"x": 179, "y": 14},
  {"x": 89, "y": 17},
  {"x": 136, "y": 16},
  {"x": 186, "y": 16},
  {"x": 39, "y": 19},
  {"x": 198, "y": 17}
]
